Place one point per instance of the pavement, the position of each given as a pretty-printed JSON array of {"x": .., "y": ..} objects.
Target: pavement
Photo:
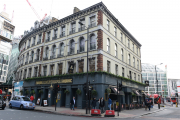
[{"x": 81, "y": 112}]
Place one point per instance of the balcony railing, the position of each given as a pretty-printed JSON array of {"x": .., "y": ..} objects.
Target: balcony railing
[
  {"x": 45, "y": 58},
  {"x": 33, "y": 44},
  {"x": 92, "y": 46},
  {"x": 72, "y": 31},
  {"x": 38, "y": 42},
  {"x": 30, "y": 61},
  {"x": 52, "y": 57},
  {"x": 81, "y": 28},
  {"x": 62, "y": 35},
  {"x": 55, "y": 37},
  {"x": 92, "y": 25},
  {"x": 48, "y": 39},
  {"x": 71, "y": 52},
  {"x": 60, "y": 55},
  {"x": 36, "y": 60}
]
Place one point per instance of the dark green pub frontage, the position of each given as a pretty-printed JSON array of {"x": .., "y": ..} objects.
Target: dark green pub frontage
[{"x": 132, "y": 91}]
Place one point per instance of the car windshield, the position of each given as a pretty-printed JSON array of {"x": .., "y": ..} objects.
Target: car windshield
[{"x": 25, "y": 99}]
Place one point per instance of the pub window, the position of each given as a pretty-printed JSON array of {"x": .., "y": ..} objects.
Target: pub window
[
  {"x": 91, "y": 65},
  {"x": 52, "y": 69},
  {"x": 71, "y": 67},
  {"x": 32, "y": 55},
  {"x": 81, "y": 66},
  {"x": 122, "y": 72},
  {"x": 92, "y": 42},
  {"x": 72, "y": 46},
  {"x": 47, "y": 52},
  {"x": 116, "y": 69},
  {"x": 45, "y": 71},
  {"x": 54, "y": 51},
  {"x": 60, "y": 68},
  {"x": 62, "y": 49},
  {"x": 38, "y": 53},
  {"x": 108, "y": 66}
]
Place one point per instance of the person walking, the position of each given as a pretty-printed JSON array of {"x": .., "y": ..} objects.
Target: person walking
[
  {"x": 31, "y": 98},
  {"x": 102, "y": 104},
  {"x": 72, "y": 103},
  {"x": 109, "y": 103},
  {"x": 149, "y": 104},
  {"x": 94, "y": 103}
]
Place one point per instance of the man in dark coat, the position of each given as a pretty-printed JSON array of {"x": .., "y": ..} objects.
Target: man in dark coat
[
  {"x": 102, "y": 104},
  {"x": 72, "y": 103},
  {"x": 94, "y": 103}
]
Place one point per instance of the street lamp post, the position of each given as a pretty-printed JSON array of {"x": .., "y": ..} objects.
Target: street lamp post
[
  {"x": 87, "y": 87},
  {"x": 157, "y": 82}
]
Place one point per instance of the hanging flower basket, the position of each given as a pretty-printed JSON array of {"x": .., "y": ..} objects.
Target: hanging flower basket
[
  {"x": 40, "y": 92},
  {"x": 32, "y": 92},
  {"x": 108, "y": 90},
  {"x": 78, "y": 91},
  {"x": 94, "y": 92},
  {"x": 66, "y": 91}
]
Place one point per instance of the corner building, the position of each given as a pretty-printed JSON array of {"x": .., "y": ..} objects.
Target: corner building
[{"x": 57, "y": 53}]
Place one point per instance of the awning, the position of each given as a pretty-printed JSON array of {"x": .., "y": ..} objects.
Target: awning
[
  {"x": 136, "y": 92},
  {"x": 114, "y": 89}
]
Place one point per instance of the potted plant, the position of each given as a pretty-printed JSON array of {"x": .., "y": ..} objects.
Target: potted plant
[
  {"x": 66, "y": 91},
  {"x": 108, "y": 90},
  {"x": 78, "y": 91},
  {"x": 94, "y": 92}
]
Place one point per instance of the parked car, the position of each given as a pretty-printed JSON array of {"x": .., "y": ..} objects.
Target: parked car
[
  {"x": 2, "y": 102},
  {"x": 21, "y": 102}
]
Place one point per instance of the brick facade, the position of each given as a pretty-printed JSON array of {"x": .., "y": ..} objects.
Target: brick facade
[
  {"x": 100, "y": 18},
  {"x": 100, "y": 62}
]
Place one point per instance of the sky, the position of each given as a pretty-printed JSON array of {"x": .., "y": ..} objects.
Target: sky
[{"x": 154, "y": 23}]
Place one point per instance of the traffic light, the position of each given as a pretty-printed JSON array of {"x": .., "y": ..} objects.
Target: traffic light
[
  {"x": 120, "y": 86},
  {"x": 58, "y": 88}
]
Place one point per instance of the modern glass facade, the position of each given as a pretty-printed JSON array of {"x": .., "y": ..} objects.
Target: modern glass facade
[{"x": 149, "y": 73}]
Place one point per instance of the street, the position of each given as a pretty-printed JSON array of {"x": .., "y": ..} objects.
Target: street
[{"x": 170, "y": 113}]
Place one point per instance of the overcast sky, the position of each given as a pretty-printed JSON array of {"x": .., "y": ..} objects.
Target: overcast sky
[{"x": 154, "y": 23}]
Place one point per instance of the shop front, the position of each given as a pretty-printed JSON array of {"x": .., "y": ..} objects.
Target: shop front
[{"x": 73, "y": 85}]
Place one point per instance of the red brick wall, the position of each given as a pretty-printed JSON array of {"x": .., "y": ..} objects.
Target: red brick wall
[
  {"x": 100, "y": 62},
  {"x": 100, "y": 39},
  {"x": 100, "y": 17}
]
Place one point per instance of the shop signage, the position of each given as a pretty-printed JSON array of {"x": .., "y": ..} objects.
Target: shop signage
[
  {"x": 54, "y": 81},
  {"x": 129, "y": 84}
]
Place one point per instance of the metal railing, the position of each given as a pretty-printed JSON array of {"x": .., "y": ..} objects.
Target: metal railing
[
  {"x": 92, "y": 25},
  {"x": 72, "y": 31},
  {"x": 81, "y": 28}
]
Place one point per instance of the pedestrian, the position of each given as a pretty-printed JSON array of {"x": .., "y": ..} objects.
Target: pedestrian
[
  {"x": 31, "y": 98},
  {"x": 72, "y": 103},
  {"x": 109, "y": 103},
  {"x": 149, "y": 104},
  {"x": 146, "y": 104},
  {"x": 102, "y": 104},
  {"x": 171, "y": 103},
  {"x": 94, "y": 103}
]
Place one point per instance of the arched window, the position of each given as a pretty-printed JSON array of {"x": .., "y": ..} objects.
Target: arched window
[
  {"x": 47, "y": 52},
  {"x": 115, "y": 50},
  {"x": 129, "y": 59},
  {"x": 81, "y": 44},
  {"x": 122, "y": 55},
  {"x": 32, "y": 55},
  {"x": 108, "y": 45},
  {"x": 62, "y": 49},
  {"x": 92, "y": 42},
  {"x": 72, "y": 46},
  {"x": 54, "y": 51},
  {"x": 38, "y": 53}
]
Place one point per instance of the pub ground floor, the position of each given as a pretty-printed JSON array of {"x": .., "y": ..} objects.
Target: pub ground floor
[{"x": 130, "y": 96}]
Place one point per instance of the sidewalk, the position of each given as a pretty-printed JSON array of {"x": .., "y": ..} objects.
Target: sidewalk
[{"x": 81, "y": 112}]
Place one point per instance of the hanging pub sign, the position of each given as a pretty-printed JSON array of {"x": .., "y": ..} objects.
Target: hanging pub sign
[
  {"x": 147, "y": 83},
  {"x": 71, "y": 68}
]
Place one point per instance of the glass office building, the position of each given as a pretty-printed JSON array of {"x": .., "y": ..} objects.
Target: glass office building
[{"x": 149, "y": 73}]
